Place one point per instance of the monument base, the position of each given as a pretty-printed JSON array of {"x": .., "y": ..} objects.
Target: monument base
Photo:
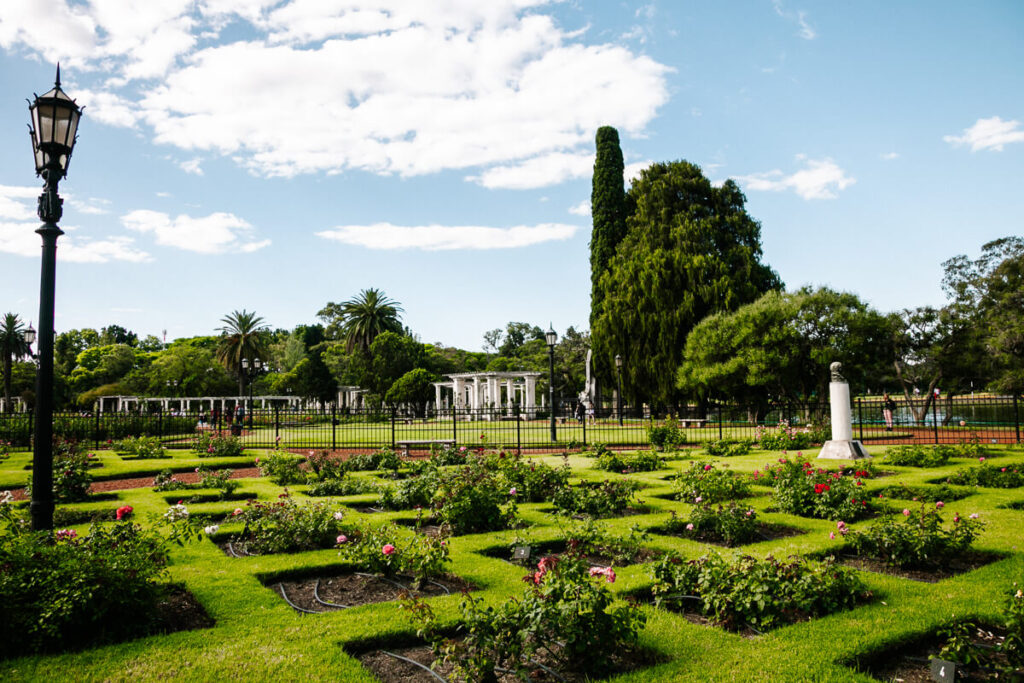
[{"x": 843, "y": 450}]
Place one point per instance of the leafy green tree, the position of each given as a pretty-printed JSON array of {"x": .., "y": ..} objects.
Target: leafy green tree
[
  {"x": 12, "y": 347},
  {"x": 391, "y": 356},
  {"x": 516, "y": 335},
  {"x": 244, "y": 335},
  {"x": 359, "y": 320},
  {"x": 691, "y": 250},
  {"x": 780, "y": 347},
  {"x": 607, "y": 209},
  {"x": 68, "y": 345},
  {"x": 151, "y": 343},
  {"x": 115, "y": 334},
  {"x": 195, "y": 370},
  {"x": 414, "y": 387},
  {"x": 109, "y": 364}
]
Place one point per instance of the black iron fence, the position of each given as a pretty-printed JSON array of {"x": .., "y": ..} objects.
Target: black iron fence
[{"x": 919, "y": 420}]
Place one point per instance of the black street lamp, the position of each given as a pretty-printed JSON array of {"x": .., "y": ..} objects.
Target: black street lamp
[
  {"x": 618, "y": 381},
  {"x": 551, "y": 337},
  {"x": 251, "y": 369},
  {"x": 54, "y": 130}
]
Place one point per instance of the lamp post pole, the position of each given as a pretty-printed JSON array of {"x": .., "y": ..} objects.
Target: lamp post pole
[
  {"x": 551, "y": 337},
  {"x": 618, "y": 388},
  {"x": 251, "y": 369},
  {"x": 54, "y": 127}
]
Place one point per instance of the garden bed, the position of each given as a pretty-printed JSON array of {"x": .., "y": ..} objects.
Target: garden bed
[
  {"x": 333, "y": 592},
  {"x": 768, "y": 532},
  {"x": 557, "y": 548},
  {"x": 963, "y": 563}
]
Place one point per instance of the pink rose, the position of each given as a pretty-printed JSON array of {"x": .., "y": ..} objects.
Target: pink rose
[
  {"x": 832, "y": 535},
  {"x": 906, "y": 512},
  {"x": 698, "y": 499},
  {"x": 237, "y": 512},
  {"x": 707, "y": 467},
  {"x": 974, "y": 515},
  {"x": 689, "y": 527},
  {"x": 940, "y": 505},
  {"x": 342, "y": 539},
  {"x": 124, "y": 512},
  {"x": 512, "y": 491},
  {"x": 388, "y": 549}
]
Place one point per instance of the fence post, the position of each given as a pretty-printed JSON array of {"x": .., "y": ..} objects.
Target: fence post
[
  {"x": 96, "y": 431},
  {"x": 585, "y": 429},
  {"x": 860, "y": 418},
  {"x": 455, "y": 423},
  {"x": 393, "y": 415},
  {"x": 1016, "y": 416},
  {"x": 277, "y": 424},
  {"x": 719, "y": 421},
  {"x": 519, "y": 436},
  {"x": 935, "y": 418},
  {"x": 334, "y": 427}
]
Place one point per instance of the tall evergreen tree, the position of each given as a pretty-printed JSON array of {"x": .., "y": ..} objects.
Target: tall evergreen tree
[
  {"x": 242, "y": 336},
  {"x": 12, "y": 347},
  {"x": 691, "y": 250},
  {"x": 607, "y": 208}
]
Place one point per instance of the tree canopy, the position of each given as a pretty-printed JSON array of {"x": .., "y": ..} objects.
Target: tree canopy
[{"x": 691, "y": 250}]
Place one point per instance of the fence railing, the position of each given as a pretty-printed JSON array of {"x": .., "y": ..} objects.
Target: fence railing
[{"x": 948, "y": 420}]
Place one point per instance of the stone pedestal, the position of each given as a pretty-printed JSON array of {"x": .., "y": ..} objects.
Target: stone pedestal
[{"x": 842, "y": 446}]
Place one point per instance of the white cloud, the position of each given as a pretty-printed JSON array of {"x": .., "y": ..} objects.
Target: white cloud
[
  {"x": 16, "y": 202},
  {"x": 581, "y": 209},
  {"x": 217, "y": 233},
  {"x": 192, "y": 166},
  {"x": 445, "y": 237},
  {"x": 504, "y": 89},
  {"x": 806, "y": 31},
  {"x": 991, "y": 133},
  {"x": 889, "y": 156},
  {"x": 92, "y": 205},
  {"x": 541, "y": 171},
  {"x": 817, "y": 180},
  {"x": 632, "y": 171},
  {"x": 20, "y": 239}
]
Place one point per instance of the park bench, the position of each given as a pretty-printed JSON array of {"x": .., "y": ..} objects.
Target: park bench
[
  {"x": 405, "y": 446},
  {"x": 692, "y": 422}
]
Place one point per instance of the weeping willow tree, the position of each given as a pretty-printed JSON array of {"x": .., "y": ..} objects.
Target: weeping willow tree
[{"x": 690, "y": 250}]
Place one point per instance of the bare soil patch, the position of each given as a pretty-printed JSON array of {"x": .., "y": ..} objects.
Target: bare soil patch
[
  {"x": 966, "y": 562},
  {"x": 342, "y": 591},
  {"x": 911, "y": 662}
]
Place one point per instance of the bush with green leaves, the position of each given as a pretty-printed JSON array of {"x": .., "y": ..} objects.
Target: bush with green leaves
[
  {"x": 667, "y": 436},
  {"x": 387, "y": 550},
  {"x": 732, "y": 525},
  {"x": 284, "y": 526},
  {"x": 567, "y": 618},
  {"x": 474, "y": 498},
  {"x": 749, "y": 591},
  {"x": 210, "y": 445},
  {"x": 800, "y": 489},
  {"x": 785, "y": 437},
  {"x": 602, "y": 499},
  {"x": 71, "y": 476},
  {"x": 725, "y": 448},
  {"x": 1005, "y": 656},
  {"x": 5, "y": 449},
  {"x": 588, "y": 538},
  {"x": 416, "y": 491},
  {"x": 208, "y": 479},
  {"x": 915, "y": 455},
  {"x": 142, "y": 447},
  {"x": 1008, "y": 477},
  {"x": 533, "y": 481},
  {"x": 703, "y": 482},
  {"x": 282, "y": 468},
  {"x": 915, "y": 538},
  {"x": 61, "y": 590},
  {"x": 384, "y": 459},
  {"x": 447, "y": 454},
  {"x": 927, "y": 494},
  {"x": 640, "y": 461}
]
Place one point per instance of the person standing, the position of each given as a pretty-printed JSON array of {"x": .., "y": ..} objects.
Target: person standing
[{"x": 888, "y": 405}]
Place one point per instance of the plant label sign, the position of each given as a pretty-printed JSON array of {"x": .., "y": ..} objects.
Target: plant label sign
[
  {"x": 521, "y": 553},
  {"x": 943, "y": 671}
]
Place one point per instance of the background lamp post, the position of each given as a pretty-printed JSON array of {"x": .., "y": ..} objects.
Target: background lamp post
[
  {"x": 618, "y": 380},
  {"x": 54, "y": 129},
  {"x": 251, "y": 369},
  {"x": 551, "y": 337}
]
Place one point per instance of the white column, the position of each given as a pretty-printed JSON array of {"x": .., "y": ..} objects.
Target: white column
[
  {"x": 508, "y": 396},
  {"x": 457, "y": 392},
  {"x": 530, "y": 393},
  {"x": 476, "y": 394},
  {"x": 437, "y": 396}
]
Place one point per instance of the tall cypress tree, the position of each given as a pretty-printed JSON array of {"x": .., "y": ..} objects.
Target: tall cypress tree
[{"x": 608, "y": 209}]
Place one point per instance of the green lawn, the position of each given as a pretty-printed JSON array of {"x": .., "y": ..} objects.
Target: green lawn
[{"x": 258, "y": 637}]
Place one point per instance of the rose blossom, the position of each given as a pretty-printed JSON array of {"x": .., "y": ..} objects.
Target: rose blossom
[
  {"x": 974, "y": 515},
  {"x": 689, "y": 527},
  {"x": 388, "y": 549},
  {"x": 339, "y": 515},
  {"x": 906, "y": 512},
  {"x": 940, "y": 505},
  {"x": 342, "y": 539},
  {"x": 212, "y": 529}
]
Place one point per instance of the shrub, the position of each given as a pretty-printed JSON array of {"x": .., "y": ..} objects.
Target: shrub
[
  {"x": 74, "y": 591},
  {"x": 596, "y": 499},
  {"x": 667, "y": 436},
  {"x": 732, "y": 525},
  {"x": 915, "y": 538},
  {"x": 913, "y": 455},
  {"x": 208, "y": 445},
  {"x": 727, "y": 449},
  {"x": 787, "y": 438},
  {"x": 5, "y": 450},
  {"x": 384, "y": 550},
  {"x": 284, "y": 526},
  {"x": 471, "y": 498},
  {"x": 447, "y": 454},
  {"x": 641, "y": 461},
  {"x": 1006, "y": 656},
  {"x": 587, "y": 538},
  {"x": 385, "y": 459},
  {"x": 567, "y": 616},
  {"x": 282, "y": 467},
  {"x": 704, "y": 483},
  {"x": 71, "y": 477},
  {"x": 349, "y": 486},
  {"x": 416, "y": 491},
  {"x": 143, "y": 447},
  {"x": 800, "y": 489},
  {"x": 533, "y": 481},
  {"x": 928, "y": 494},
  {"x": 762, "y": 593},
  {"x": 986, "y": 475}
]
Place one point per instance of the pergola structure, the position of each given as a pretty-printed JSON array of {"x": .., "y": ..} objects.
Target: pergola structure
[
  {"x": 124, "y": 404},
  {"x": 495, "y": 391}
]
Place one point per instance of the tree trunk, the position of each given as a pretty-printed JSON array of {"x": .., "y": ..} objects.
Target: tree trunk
[{"x": 920, "y": 412}]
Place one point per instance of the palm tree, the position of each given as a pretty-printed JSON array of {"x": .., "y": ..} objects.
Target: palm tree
[
  {"x": 12, "y": 346},
  {"x": 243, "y": 336},
  {"x": 366, "y": 315}
]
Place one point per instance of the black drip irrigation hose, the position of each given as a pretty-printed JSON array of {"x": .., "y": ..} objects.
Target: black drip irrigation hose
[
  {"x": 441, "y": 586},
  {"x": 316, "y": 596},
  {"x": 384, "y": 578},
  {"x": 414, "y": 662},
  {"x": 231, "y": 550},
  {"x": 303, "y": 610}
]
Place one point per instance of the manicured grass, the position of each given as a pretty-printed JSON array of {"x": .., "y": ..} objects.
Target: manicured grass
[{"x": 258, "y": 637}]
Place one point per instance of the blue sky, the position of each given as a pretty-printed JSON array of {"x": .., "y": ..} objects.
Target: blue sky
[{"x": 274, "y": 155}]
